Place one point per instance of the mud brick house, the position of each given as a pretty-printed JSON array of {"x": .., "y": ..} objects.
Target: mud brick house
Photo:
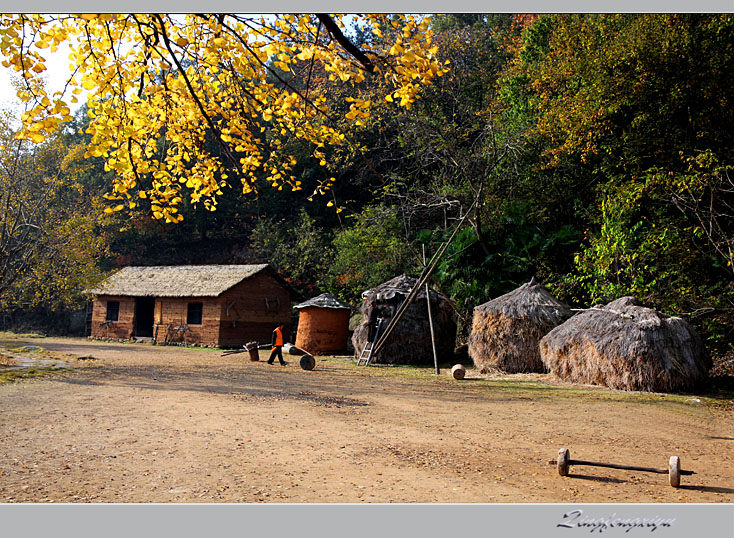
[{"x": 215, "y": 305}]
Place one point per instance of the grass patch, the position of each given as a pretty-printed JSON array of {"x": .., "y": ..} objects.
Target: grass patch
[
  {"x": 176, "y": 345},
  {"x": 22, "y": 335},
  {"x": 196, "y": 348},
  {"x": 11, "y": 376},
  {"x": 716, "y": 397},
  {"x": 12, "y": 355},
  {"x": 35, "y": 352},
  {"x": 10, "y": 340}
]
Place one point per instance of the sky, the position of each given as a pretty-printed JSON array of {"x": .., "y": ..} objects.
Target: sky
[{"x": 56, "y": 74}]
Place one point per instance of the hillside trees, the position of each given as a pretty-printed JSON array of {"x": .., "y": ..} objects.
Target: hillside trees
[
  {"x": 456, "y": 146},
  {"x": 373, "y": 249},
  {"x": 628, "y": 92},
  {"x": 597, "y": 148},
  {"x": 298, "y": 249},
  {"x": 639, "y": 105},
  {"x": 49, "y": 237}
]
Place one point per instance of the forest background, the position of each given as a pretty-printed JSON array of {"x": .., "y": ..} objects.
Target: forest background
[{"x": 598, "y": 150}]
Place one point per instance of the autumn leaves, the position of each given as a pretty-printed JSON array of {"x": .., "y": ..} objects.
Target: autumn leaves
[{"x": 162, "y": 88}]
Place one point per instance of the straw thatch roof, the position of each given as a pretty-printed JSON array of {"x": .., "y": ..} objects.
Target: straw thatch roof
[
  {"x": 506, "y": 331},
  {"x": 178, "y": 281},
  {"x": 410, "y": 342},
  {"x": 397, "y": 289},
  {"x": 325, "y": 300},
  {"x": 626, "y": 346}
]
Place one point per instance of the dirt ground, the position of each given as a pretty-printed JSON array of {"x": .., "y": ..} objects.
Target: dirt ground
[{"x": 138, "y": 423}]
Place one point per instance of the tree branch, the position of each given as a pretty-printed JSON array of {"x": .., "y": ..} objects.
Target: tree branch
[{"x": 340, "y": 38}]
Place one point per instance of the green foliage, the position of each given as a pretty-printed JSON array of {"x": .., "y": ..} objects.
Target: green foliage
[
  {"x": 49, "y": 233},
  {"x": 626, "y": 92},
  {"x": 369, "y": 252},
  {"x": 517, "y": 249},
  {"x": 627, "y": 121},
  {"x": 704, "y": 193},
  {"x": 298, "y": 250},
  {"x": 643, "y": 248}
]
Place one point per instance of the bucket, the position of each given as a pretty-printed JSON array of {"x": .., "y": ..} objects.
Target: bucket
[{"x": 251, "y": 347}]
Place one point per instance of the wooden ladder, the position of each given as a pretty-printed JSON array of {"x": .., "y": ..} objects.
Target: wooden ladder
[{"x": 366, "y": 355}]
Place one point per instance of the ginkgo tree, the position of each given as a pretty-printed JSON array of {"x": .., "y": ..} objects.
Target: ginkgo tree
[{"x": 161, "y": 87}]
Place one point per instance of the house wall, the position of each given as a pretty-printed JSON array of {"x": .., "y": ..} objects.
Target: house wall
[
  {"x": 245, "y": 316},
  {"x": 120, "y": 329},
  {"x": 171, "y": 312},
  {"x": 168, "y": 312}
]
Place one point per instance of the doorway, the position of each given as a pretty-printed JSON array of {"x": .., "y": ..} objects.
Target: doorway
[{"x": 144, "y": 313}]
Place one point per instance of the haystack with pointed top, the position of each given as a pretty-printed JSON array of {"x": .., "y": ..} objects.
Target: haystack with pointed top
[
  {"x": 323, "y": 325},
  {"x": 627, "y": 346},
  {"x": 410, "y": 342},
  {"x": 506, "y": 330}
]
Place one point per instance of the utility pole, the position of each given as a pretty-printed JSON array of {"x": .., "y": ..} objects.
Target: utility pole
[{"x": 430, "y": 317}]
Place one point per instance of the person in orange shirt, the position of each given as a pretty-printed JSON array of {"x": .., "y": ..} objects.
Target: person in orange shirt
[{"x": 277, "y": 343}]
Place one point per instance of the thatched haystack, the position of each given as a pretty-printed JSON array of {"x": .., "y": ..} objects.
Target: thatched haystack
[
  {"x": 506, "y": 331},
  {"x": 410, "y": 342},
  {"x": 626, "y": 346}
]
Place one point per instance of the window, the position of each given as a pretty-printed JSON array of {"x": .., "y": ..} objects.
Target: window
[
  {"x": 113, "y": 311},
  {"x": 272, "y": 305},
  {"x": 193, "y": 316}
]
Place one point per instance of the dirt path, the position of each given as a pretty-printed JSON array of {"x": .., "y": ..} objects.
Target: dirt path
[{"x": 154, "y": 424}]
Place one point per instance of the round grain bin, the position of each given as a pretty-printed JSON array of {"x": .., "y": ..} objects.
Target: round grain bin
[{"x": 323, "y": 325}]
